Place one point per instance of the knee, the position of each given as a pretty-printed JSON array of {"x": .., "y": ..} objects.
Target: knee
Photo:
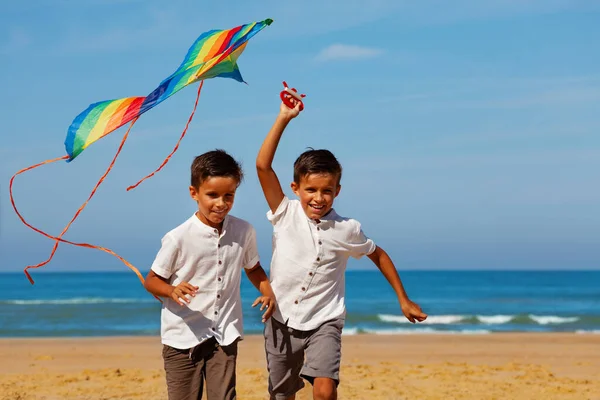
[{"x": 324, "y": 389}]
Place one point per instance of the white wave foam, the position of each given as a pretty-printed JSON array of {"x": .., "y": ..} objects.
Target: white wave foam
[
  {"x": 421, "y": 331},
  {"x": 399, "y": 319},
  {"x": 432, "y": 319},
  {"x": 81, "y": 300},
  {"x": 349, "y": 331},
  {"x": 552, "y": 319},
  {"x": 494, "y": 319},
  {"x": 484, "y": 319},
  {"x": 475, "y": 332},
  {"x": 588, "y": 332}
]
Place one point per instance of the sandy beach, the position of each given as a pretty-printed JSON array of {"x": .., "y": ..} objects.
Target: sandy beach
[{"x": 498, "y": 366}]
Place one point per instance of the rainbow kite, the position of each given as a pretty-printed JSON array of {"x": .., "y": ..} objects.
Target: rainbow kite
[{"x": 214, "y": 54}]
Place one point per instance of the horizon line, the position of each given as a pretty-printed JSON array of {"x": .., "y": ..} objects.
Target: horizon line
[{"x": 95, "y": 271}]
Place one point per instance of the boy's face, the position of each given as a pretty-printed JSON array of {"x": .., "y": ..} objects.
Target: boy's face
[
  {"x": 316, "y": 193},
  {"x": 215, "y": 199}
]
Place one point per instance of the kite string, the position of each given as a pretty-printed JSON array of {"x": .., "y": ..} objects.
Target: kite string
[{"x": 166, "y": 160}]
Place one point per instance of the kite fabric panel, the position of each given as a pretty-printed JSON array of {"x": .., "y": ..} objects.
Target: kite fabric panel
[{"x": 214, "y": 54}]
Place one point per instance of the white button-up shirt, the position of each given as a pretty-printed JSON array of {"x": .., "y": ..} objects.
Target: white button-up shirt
[
  {"x": 309, "y": 263},
  {"x": 196, "y": 253}
]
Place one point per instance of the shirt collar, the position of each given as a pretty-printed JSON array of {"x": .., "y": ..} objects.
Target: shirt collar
[
  {"x": 330, "y": 216},
  {"x": 207, "y": 228}
]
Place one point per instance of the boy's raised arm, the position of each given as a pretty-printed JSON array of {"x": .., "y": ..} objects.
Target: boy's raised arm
[{"x": 266, "y": 175}]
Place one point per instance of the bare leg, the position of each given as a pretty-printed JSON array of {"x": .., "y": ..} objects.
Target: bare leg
[{"x": 324, "y": 389}]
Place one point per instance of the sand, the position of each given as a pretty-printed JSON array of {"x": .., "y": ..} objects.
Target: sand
[{"x": 498, "y": 366}]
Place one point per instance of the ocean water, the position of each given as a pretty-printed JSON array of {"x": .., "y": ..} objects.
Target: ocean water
[{"x": 470, "y": 302}]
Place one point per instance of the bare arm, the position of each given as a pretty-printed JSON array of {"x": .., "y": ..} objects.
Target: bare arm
[
  {"x": 159, "y": 286},
  {"x": 266, "y": 175},
  {"x": 411, "y": 310},
  {"x": 259, "y": 279}
]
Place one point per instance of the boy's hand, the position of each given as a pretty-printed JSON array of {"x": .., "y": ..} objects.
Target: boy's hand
[
  {"x": 268, "y": 303},
  {"x": 180, "y": 291},
  {"x": 412, "y": 311},
  {"x": 289, "y": 113}
]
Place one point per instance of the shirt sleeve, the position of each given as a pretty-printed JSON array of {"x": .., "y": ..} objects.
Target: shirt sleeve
[
  {"x": 251, "y": 257},
  {"x": 360, "y": 245},
  {"x": 281, "y": 211},
  {"x": 165, "y": 263}
]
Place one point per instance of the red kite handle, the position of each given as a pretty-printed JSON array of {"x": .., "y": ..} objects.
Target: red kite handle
[{"x": 290, "y": 97}]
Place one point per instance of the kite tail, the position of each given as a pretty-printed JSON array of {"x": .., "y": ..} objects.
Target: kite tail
[
  {"x": 12, "y": 200},
  {"x": 56, "y": 238},
  {"x": 66, "y": 228},
  {"x": 178, "y": 142},
  {"x": 59, "y": 238}
]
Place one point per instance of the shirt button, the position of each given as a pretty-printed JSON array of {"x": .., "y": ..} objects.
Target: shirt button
[
  {"x": 220, "y": 262},
  {"x": 216, "y": 231},
  {"x": 320, "y": 242},
  {"x": 296, "y": 302},
  {"x": 318, "y": 228},
  {"x": 218, "y": 296},
  {"x": 318, "y": 258},
  {"x": 303, "y": 289},
  {"x": 219, "y": 245},
  {"x": 310, "y": 274},
  {"x": 213, "y": 328},
  {"x": 219, "y": 279},
  {"x": 216, "y": 312}
]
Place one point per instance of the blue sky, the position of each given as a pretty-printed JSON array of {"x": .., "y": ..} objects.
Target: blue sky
[{"x": 468, "y": 130}]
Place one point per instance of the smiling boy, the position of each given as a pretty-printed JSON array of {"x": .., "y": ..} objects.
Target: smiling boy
[
  {"x": 198, "y": 271},
  {"x": 311, "y": 247}
]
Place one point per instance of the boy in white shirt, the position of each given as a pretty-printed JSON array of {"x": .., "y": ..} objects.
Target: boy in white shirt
[
  {"x": 198, "y": 272},
  {"x": 311, "y": 247}
]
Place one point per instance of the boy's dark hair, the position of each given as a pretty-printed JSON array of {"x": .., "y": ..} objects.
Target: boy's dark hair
[
  {"x": 215, "y": 163},
  {"x": 317, "y": 162}
]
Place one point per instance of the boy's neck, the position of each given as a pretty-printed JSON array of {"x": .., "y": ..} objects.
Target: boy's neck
[
  {"x": 319, "y": 220},
  {"x": 218, "y": 227}
]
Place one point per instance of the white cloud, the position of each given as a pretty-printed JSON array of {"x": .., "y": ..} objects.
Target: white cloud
[{"x": 347, "y": 52}]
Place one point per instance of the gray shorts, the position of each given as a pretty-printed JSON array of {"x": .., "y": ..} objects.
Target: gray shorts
[
  {"x": 293, "y": 355},
  {"x": 186, "y": 370}
]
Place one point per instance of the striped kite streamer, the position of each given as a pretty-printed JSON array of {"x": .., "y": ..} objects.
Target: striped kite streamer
[{"x": 214, "y": 54}]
